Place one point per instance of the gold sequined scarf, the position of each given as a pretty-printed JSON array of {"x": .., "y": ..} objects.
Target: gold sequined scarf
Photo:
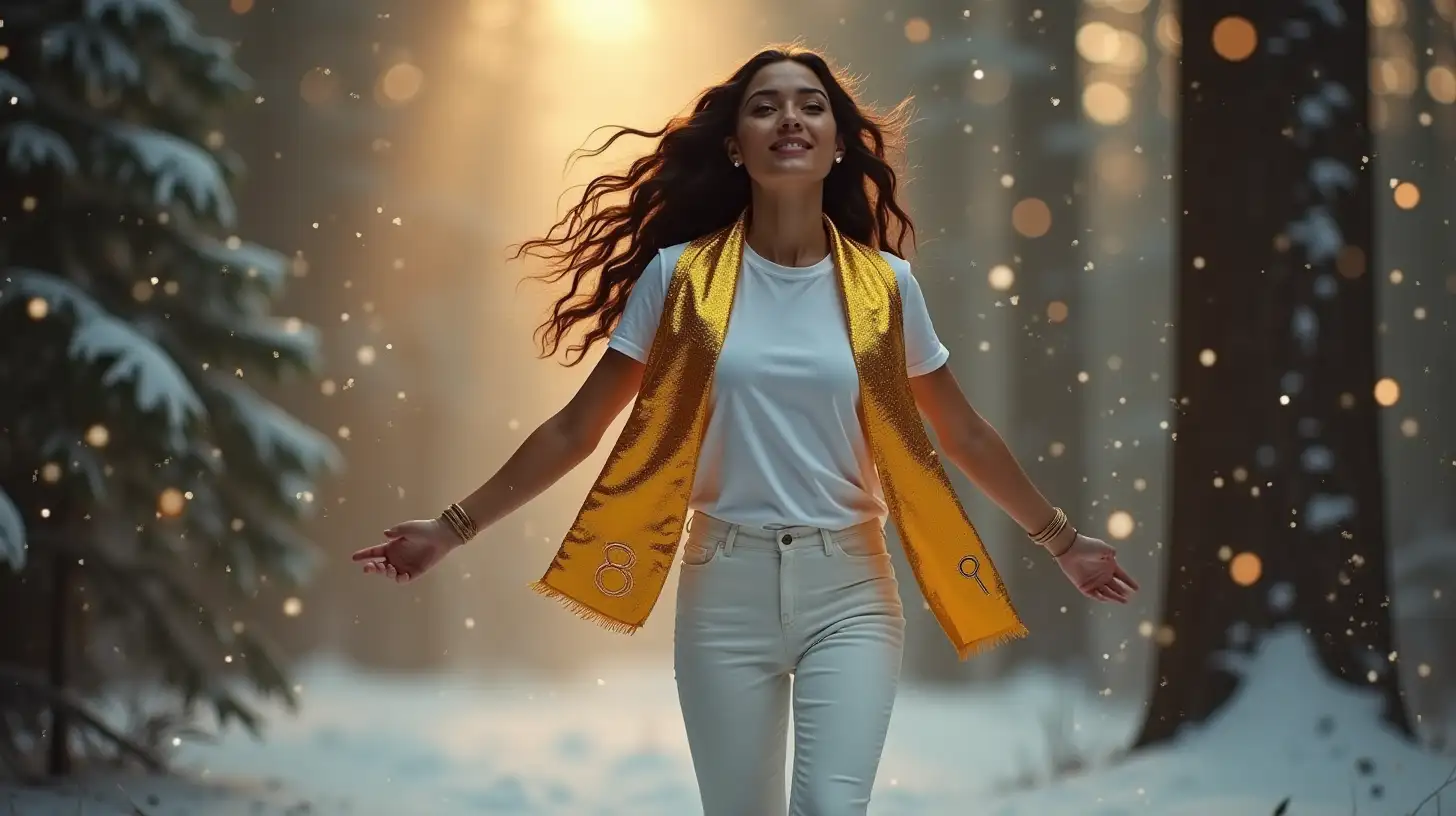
[{"x": 613, "y": 563}]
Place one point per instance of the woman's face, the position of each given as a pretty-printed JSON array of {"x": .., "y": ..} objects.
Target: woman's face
[{"x": 786, "y": 132}]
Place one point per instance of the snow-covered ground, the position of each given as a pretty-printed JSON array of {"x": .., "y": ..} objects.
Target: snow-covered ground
[{"x": 614, "y": 745}]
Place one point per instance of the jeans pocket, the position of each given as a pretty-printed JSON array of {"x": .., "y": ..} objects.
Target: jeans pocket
[
  {"x": 699, "y": 552},
  {"x": 868, "y": 546}
]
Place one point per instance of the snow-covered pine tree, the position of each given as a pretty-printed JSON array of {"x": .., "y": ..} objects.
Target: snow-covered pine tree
[{"x": 147, "y": 488}]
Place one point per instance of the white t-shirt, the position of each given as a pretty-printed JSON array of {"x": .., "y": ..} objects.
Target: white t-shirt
[{"x": 784, "y": 445}]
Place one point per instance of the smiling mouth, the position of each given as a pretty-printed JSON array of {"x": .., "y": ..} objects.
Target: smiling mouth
[{"x": 790, "y": 144}]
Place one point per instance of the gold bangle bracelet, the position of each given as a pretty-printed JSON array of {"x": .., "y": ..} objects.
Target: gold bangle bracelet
[
  {"x": 460, "y": 522},
  {"x": 1052, "y": 529}
]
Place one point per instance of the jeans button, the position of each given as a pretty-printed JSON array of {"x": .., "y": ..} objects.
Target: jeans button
[{"x": 786, "y": 540}]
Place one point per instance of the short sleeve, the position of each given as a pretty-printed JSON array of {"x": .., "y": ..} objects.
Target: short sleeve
[
  {"x": 924, "y": 352},
  {"x": 634, "y": 332}
]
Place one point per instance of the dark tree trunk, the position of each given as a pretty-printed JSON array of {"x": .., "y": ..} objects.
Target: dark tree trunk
[
  {"x": 1276, "y": 460},
  {"x": 1046, "y": 399}
]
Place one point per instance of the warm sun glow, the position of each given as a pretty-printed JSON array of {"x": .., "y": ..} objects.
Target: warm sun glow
[{"x": 603, "y": 19}]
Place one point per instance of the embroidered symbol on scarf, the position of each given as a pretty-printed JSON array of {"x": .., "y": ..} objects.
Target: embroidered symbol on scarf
[
  {"x": 621, "y": 567},
  {"x": 975, "y": 573}
]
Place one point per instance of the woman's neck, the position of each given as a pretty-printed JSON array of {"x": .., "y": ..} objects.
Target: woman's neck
[{"x": 788, "y": 230}]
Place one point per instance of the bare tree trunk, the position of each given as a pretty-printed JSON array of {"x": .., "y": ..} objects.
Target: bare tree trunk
[{"x": 1277, "y": 493}]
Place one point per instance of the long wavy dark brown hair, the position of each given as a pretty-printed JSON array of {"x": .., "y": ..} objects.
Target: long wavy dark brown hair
[{"x": 686, "y": 188}]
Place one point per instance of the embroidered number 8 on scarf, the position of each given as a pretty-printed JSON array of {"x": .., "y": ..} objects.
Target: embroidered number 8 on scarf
[{"x": 621, "y": 564}]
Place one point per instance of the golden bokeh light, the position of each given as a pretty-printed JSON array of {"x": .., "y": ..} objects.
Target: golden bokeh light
[
  {"x": 1386, "y": 13},
  {"x": 1169, "y": 34},
  {"x": 97, "y": 436},
  {"x": 1207, "y": 358},
  {"x": 1106, "y": 103},
  {"x": 1102, "y": 44},
  {"x": 1097, "y": 42},
  {"x": 1001, "y": 277},
  {"x": 37, "y": 308},
  {"x": 1235, "y": 38},
  {"x": 1246, "y": 568},
  {"x": 1056, "y": 311},
  {"x": 1031, "y": 217},
  {"x": 1387, "y": 392},
  {"x": 240, "y": 6},
  {"x": 171, "y": 502},
  {"x": 1393, "y": 75},
  {"x": 1410, "y": 428},
  {"x": 401, "y": 83},
  {"x": 1441, "y": 84},
  {"x": 1407, "y": 195},
  {"x": 292, "y": 607},
  {"x": 917, "y": 30},
  {"x": 50, "y": 473},
  {"x": 1120, "y": 524}
]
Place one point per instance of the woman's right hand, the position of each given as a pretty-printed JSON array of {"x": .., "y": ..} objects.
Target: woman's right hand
[{"x": 410, "y": 549}]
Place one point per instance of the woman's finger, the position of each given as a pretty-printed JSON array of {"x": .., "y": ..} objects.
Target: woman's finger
[
  {"x": 369, "y": 553},
  {"x": 1122, "y": 576}
]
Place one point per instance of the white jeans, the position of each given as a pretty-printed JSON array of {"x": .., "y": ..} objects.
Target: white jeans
[{"x": 756, "y": 607}]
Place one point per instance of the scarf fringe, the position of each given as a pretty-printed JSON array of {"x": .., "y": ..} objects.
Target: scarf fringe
[
  {"x": 583, "y": 611},
  {"x": 986, "y": 644}
]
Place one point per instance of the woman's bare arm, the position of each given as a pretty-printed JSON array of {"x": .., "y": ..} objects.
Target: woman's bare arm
[
  {"x": 980, "y": 453},
  {"x": 560, "y": 443}
]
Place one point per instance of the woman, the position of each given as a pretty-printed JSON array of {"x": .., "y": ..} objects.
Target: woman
[{"x": 771, "y": 209}]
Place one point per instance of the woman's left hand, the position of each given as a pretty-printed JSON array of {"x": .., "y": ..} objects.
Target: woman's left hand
[{"x": 1091, "y": 565}]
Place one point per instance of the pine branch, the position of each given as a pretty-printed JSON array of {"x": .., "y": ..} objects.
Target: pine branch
[{"x": 66, "y": 700}]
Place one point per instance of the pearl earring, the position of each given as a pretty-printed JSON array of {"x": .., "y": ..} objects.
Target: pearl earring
[
  {"x": 737, "y": 163},
  {"x": 839, "y": 158}
]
